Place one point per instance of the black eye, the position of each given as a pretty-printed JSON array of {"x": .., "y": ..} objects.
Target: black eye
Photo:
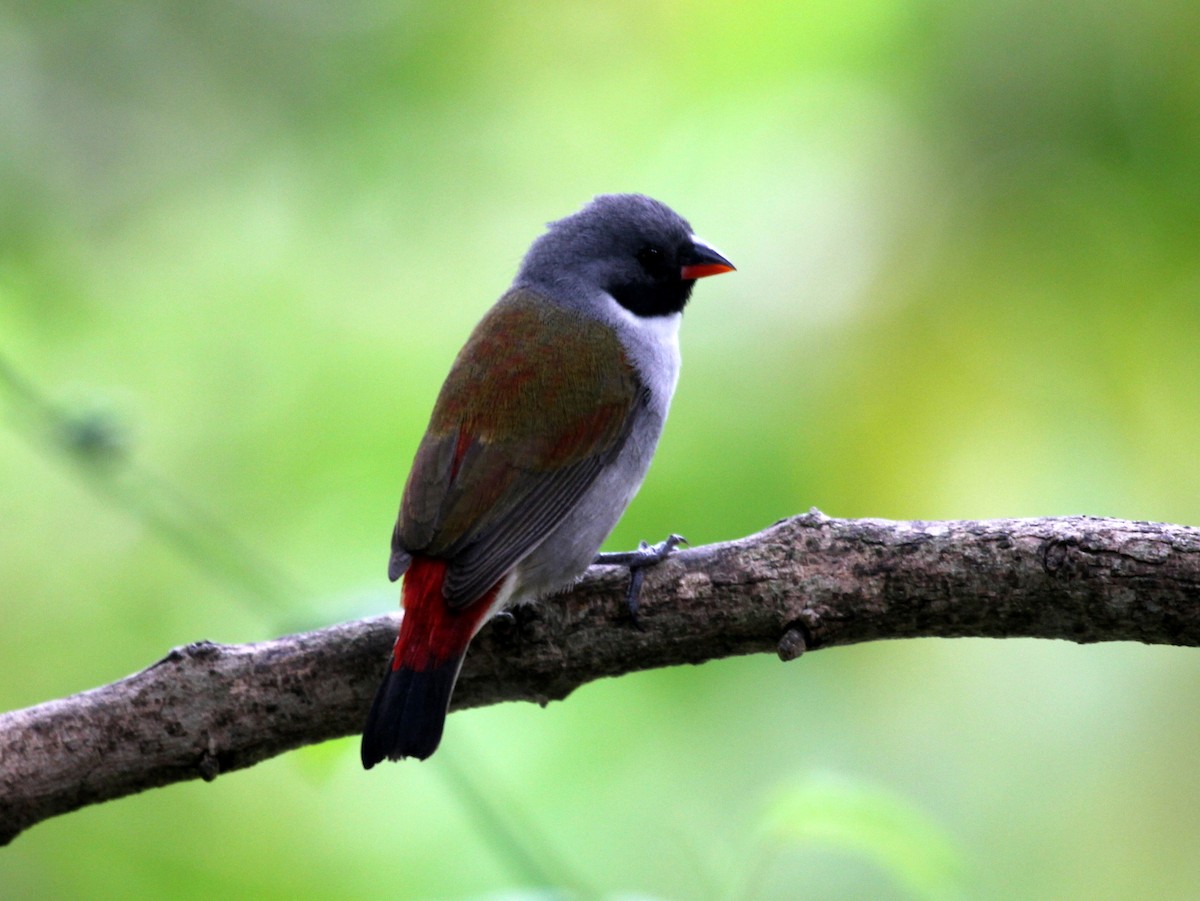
[{"x": 652, "y": 259}]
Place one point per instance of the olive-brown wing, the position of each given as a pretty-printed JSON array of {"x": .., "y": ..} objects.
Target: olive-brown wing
[{"x": 537, "y": 402}]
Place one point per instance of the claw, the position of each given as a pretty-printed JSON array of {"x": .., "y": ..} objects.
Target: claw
[{"x": 637, "y": 561}]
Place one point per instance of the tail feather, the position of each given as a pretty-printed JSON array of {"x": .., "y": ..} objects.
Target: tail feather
[{"x": 409, "y": 712}]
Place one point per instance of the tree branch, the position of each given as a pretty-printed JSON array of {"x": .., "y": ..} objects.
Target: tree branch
[{"x": 806, "y": 583}]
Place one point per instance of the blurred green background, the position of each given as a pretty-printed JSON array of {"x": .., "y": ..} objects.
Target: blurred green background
[{"x": 241, "y": 242}]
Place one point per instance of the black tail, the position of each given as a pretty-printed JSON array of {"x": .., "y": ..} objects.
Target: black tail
[{"x": 408, "y": 713}]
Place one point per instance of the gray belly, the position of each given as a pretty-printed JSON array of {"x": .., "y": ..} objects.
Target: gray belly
[{"x": 570, "y": 548}]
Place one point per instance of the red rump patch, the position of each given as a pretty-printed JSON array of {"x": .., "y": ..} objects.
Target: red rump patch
[{"x": 431, "y": 633}]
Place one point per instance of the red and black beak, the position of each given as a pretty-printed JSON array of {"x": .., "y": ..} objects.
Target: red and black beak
[{"x": 701, "y": 260}]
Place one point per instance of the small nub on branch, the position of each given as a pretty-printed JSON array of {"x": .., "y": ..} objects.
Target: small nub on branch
[{"x": 792, "y": 645}]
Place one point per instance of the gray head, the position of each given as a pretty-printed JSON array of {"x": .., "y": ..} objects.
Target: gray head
[{"x": 633, "y": 247}]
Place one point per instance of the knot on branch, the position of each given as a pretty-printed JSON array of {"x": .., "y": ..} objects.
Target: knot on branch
[
  {"x": 793, "y": 644},
  {"x": 209, "y": 766},
  {"x": 1056, "y": 554}
]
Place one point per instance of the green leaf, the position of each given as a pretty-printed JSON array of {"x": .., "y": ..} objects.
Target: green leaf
[
  {"x": 551, "y": 894},
  {"x": 843, "y": 813}
]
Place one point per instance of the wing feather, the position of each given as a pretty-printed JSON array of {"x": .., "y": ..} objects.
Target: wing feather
[{"x": 536, "y": 403}]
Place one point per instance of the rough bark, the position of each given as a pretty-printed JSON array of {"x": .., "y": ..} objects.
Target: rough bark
[{"x": 806, "y": 583}]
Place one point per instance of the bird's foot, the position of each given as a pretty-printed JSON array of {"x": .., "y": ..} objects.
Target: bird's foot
[
  {"x": 637, "y": 561},
  {"x": 510, "y": 629}
]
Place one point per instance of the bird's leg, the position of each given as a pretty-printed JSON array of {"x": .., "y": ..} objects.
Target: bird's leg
[
  {"x": 645, "y": 555},
  {"x": 511, "y": 627},
  {"x": 637, "y": 561}
]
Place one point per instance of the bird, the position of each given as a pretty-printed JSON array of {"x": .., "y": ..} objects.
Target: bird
[{"x": 539, "y": 438}]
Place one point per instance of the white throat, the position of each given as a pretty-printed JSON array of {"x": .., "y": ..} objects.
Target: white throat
[
  {"x": 652, "y": 343},
  {"x": 661, "y": 328}
]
